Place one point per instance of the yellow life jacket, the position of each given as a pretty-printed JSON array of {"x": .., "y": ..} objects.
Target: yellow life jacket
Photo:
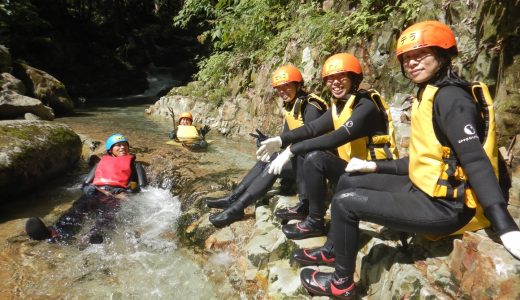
[
  {"x": 187, "y": 133},
  {"x": 376, "y": 147},
  {"x": 434, "y": 169},
  {"x": 294, "y": 117}
]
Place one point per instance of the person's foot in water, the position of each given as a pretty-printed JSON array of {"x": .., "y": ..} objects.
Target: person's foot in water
[{"x": 36, "y": 230}]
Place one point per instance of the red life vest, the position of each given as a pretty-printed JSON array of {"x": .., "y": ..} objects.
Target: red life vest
[{"x": 114, "y": 171}]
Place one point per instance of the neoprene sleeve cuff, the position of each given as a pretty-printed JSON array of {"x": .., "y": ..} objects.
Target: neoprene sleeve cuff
[{"x": 500, "y": 218}]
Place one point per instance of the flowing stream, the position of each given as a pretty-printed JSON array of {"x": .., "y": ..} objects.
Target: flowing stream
[{"x": 139, "y": 258}]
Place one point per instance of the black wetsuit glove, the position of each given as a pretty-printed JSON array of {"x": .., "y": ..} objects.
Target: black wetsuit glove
[
  {"x": 260, "y": 137},
  {"x": 204, "y": 130},
  {"x": 88, "y": 189}
]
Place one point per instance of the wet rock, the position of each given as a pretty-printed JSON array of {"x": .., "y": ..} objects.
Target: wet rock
[
  {"x": 14, "y": 105},
  {"x": 9, "y": 82},
  {"x": 482, "y": 267},
  {"x": 284, "y": 280},
  {"x": 32, "y": 152},
  {"x": 266, "y": 242},
  {"x": 45, "y": 88},
  {"x": 31, "y": 117}
]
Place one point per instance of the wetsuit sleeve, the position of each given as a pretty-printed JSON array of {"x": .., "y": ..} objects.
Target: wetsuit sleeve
[
  {"x": 285, "y": 127},
  {"x": 90, "y": 175},
  {"x": 142, "y": 181},
  {"x": 396, "y": 166},
  {"x": 362, "y": 122},
  {"x": 319, "y": 126},
  {"x": 457, "y": 119},
  {"x": 312, "y": 112}
]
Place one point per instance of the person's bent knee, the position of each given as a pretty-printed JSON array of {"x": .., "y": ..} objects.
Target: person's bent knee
[
  {"x": 314, "y": 161},
  {"x": 347, "y": 202}
]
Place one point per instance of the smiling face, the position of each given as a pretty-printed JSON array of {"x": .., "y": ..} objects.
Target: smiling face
[
  {"x": 339, "y": 84},
  {"x": 119, "y": 149},
  {"x": 420, "y": 65},
  {"x": 185, "y": 121},
  {"x": 287, "y": 92}
]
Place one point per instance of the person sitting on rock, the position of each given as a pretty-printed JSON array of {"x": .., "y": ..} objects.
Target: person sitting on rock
[
  {"x": 299, "y": 107},
  {"x": 362, "y": 128},
  {"x": 105, "y": 187},
  {"x": 447, "y": 185}
]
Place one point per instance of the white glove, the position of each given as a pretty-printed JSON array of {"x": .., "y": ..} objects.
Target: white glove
[
  {"x": 359, "y": 165},
  {"x": 269, "y": 146},
  {"x": 511, "y": 242},
  {"x": 277, "y": 164}
]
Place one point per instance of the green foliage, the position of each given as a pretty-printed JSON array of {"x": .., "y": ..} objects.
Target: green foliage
[
  {"x": 193, "y": 9},
  {"x": 248, "y": 33}
]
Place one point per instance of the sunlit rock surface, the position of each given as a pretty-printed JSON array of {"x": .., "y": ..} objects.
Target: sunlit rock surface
[{"x": 31, "y": 152}]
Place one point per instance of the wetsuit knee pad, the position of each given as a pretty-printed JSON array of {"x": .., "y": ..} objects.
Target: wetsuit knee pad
[
  {"x": 314, "y": 161},
  {"x": 348, "y": 200}
]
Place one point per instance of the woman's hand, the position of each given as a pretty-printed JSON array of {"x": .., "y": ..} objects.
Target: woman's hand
[
  {"x": 275, "y": 167},
  {"x": 268, "y": 147},
  {"x": 511, "y": 242},
  {"x": 359, "y": 165}
]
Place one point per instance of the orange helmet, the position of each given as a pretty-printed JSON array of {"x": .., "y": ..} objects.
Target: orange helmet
[
  {"x": 285, "y": 74},
  {"x": 426, "y": 34},
  {"x": 186, "y": 115},
  {"x": 341, "y": 63}
]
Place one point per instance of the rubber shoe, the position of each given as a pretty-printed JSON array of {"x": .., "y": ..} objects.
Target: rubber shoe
[
  {"x": 95, "y": 238},
  {"x": 322, "y": 284},
  {"x": 221, "y": 202},
  {"x": 304, "y": 230},
  {"x": 37, "y": 230},
  {"x": 297, "y": 212},
  {"x": 314, "y": 257},
  {"x": 227, "y": 217}
]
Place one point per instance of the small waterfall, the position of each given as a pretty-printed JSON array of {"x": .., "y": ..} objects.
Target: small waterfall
[{"x": 160, "y": 80}]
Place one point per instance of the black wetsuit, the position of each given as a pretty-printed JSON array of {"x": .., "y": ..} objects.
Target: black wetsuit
[
  {"x": 319, "y": 164},
  {"x": 92, "y": 201},
  {"x": 390, "y": 199},
  {"x": 258, "y": 181}
]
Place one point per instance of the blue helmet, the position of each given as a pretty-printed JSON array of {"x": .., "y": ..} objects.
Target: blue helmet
[{"x": 114, "y": 139}]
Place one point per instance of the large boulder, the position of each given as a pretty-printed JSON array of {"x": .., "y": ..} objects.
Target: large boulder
[
  {"x": 9, "y": 82},
  {"x": 32, "y": 152},
  {"x": 45, "y": 88},
  {"x": 14, "y": 105}
]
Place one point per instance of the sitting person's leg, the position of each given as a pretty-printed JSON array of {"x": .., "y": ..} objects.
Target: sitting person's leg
[
  {"x": 411, "y": 211},
  {"x": 256, "y": 189},
  {"x": 239, "y": 189},
  {"x": 379, "y": 182},
  {"x": 318, "y": 167},
  {"x": 301, "y": 209}
]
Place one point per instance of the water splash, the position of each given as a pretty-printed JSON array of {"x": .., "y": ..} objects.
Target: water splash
[{"x": 138, "y": 259}]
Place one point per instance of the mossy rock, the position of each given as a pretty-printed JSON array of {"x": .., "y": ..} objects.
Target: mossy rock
[{"x": 33, "y": 152}]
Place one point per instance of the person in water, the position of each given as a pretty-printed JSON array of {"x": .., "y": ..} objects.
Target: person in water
[
  {"x": 104, "y": 188},
  {"x": 447, "y": 185},
  {"x": 299, "y": 107},
  {"x": 362, "y": 128},
  {"x": 186, "y": 131}
]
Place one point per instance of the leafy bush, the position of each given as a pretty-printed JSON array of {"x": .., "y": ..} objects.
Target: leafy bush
[{"x": 248, "y": 33}]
